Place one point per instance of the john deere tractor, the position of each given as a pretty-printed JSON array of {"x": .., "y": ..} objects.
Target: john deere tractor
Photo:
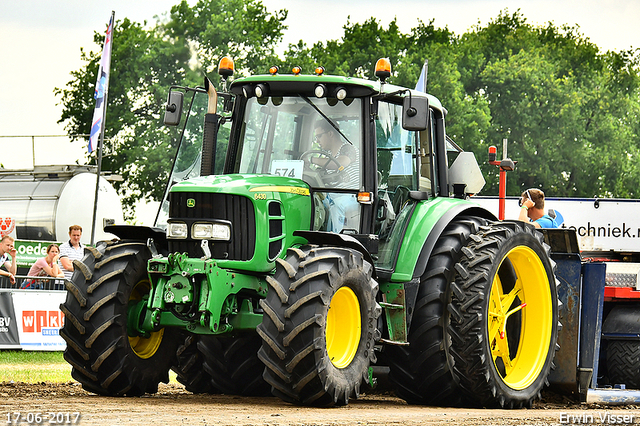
[{"x": 277, "y": 265}]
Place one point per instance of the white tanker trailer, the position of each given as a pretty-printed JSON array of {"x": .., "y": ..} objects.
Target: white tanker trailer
[{"x": 38, "y": 206}]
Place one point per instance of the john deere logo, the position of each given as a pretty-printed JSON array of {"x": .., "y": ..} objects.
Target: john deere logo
[{"x": 191, "y": 202}]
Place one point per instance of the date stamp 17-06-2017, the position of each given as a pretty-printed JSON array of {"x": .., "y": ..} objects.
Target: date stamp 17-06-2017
[{"x": 42, "y": 418}]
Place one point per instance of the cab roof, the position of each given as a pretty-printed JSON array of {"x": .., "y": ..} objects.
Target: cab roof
[{"x": 284, "y": 84}]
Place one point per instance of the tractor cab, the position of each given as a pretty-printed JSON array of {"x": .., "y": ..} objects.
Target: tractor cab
[{"x": 365, "y": 150}]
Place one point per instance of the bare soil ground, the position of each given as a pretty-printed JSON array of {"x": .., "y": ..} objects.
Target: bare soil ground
[{"x": 173, "y": 405}]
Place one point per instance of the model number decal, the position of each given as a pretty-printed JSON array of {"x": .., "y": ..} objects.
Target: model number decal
[
  {"x": 286, "y": 189},
  {"x": 259, "y": 196}
]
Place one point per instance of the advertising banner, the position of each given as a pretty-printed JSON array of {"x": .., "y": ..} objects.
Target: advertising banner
[
  {"x": 30, "y": 251},
  {"x": 7, "y": 227},
  {"x": 39, "y": 319},
  {"x": 8, "y": 323},
  {"x": 601, "y": 224}
]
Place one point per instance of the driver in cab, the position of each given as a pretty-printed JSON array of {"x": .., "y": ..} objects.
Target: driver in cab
[
  {"x": 341, "y": 158},
  {"x": 344, "y": 153}
]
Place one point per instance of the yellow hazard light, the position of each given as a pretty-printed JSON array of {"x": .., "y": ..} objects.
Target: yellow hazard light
[
  {"x": 383, "y": 68},
  {"x": 365, "y": 197},
  {"x": 225, "y": 67},
  {"x": 319, "y": 70},
  {"x": 273, "y": 70},
  {"x": 296, "y": 70}
]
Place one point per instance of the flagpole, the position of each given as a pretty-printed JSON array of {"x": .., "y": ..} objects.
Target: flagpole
[{"x": 101, "y": 138}]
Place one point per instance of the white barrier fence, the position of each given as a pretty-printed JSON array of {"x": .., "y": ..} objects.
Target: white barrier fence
[{"x": 31, "y": 319}]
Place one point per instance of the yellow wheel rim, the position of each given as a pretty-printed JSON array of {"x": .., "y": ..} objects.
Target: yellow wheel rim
[
  {"x": 144, "y": 347},
  {"x": 343, "y": 327},
  {"x": 520, "y": 368}
]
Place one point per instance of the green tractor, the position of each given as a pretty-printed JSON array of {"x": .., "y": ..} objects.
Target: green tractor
[{"x": 317, "y": 229}]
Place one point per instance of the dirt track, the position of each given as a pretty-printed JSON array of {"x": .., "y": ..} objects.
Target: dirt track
[{"x": 172, "y": 405}]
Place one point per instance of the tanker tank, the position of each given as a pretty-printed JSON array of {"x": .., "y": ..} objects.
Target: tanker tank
[{"x": 42, "y": 203}]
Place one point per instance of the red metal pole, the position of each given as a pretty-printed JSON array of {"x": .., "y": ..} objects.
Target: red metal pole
[
  {"x": 506, "y": 165},
  {"x": 502, "y": 193}
]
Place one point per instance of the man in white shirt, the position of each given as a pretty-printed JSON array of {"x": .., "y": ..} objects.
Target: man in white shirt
[
  {"x": 7, "y": 249},
  {"x": 71, "y": 250}
]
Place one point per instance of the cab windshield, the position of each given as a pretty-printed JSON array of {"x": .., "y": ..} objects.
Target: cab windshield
[{"x": 316, "y": 140}]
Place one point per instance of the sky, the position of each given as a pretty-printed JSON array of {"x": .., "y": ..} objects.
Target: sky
[{"x": 40, "y": 42}]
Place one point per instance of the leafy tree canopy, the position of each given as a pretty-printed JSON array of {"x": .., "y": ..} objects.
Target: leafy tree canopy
[{"x": 570, "y": 112}]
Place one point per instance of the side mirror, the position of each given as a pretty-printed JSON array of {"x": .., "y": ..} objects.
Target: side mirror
[
  {"x": 414, "y": 113},
  {"x": 173, "y": 110}
]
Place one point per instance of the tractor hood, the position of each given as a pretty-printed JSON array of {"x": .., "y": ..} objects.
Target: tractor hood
[{"x": 244, "y": 184}]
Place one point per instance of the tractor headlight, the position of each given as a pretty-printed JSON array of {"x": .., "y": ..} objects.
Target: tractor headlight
[
  {"x": 177, "y": 230},
  {"x": 211, "y": 231}
]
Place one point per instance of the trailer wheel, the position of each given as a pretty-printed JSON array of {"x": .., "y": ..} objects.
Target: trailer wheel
[
  {"x": 502, "y": 316},
  {"x": 319, "y": 325},
  {"x": 110, "y": 281},
  {"x": 623, "y": 363},
  {"x": 420, "y": 372}
]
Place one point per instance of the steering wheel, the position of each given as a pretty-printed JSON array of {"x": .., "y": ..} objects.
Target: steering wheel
[
  {"x": 321, "y": 154},
  {"x": 322, "y": 175}
]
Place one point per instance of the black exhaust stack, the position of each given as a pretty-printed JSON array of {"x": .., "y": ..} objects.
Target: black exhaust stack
[{"x": 210, "y": 133}]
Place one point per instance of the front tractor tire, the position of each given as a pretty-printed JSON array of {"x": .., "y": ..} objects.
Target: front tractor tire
[
  {"x": 502, "y": 315},
  {"x": 319, "y": 326},
  {"x": 109, "y": 280}
]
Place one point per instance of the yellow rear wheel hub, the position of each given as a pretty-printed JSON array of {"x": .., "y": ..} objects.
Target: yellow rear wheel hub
[{"x": 520, "y": 367}]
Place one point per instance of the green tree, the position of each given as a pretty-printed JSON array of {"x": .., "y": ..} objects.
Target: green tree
[
  {"x": 571, "y": 114},
  {"x": 563, "y": 106},
  {"x": 141, "y": 73},
  {"x": 356, "y": 53},
  {"x": 469, "y": 114},
  {"x": 241, "y": 29},
  {"x": 145, "y": 63}
]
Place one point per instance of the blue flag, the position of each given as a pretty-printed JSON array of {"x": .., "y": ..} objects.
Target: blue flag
[{"x": 102, "y": 84}]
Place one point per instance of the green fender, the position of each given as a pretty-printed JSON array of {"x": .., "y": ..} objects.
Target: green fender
[{"x": 428, "y": 221}]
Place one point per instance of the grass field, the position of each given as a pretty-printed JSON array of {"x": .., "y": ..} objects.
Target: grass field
[{"x": 33, "y": 367}]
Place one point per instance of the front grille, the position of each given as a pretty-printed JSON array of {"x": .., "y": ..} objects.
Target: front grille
[
  {"x": 206, "y": 206},
  {"x": 276, "y": 229}
]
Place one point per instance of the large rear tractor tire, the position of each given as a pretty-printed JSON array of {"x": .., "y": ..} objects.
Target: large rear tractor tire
[
  {"x": 104, "y": 358},
  {"x": 319, "y": 325},
  {"x": 420, "y": 372},
  {"x": 502, "y": 316}
]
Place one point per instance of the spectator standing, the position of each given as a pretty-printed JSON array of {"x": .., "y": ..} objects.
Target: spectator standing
[
  {"x": 532, "y": 210},
  {"x": 71, "y": 250},
  {"x": 7, "y": 249}
]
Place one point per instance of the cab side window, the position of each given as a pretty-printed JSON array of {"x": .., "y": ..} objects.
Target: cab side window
[{"x": 396, "y": 157}]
